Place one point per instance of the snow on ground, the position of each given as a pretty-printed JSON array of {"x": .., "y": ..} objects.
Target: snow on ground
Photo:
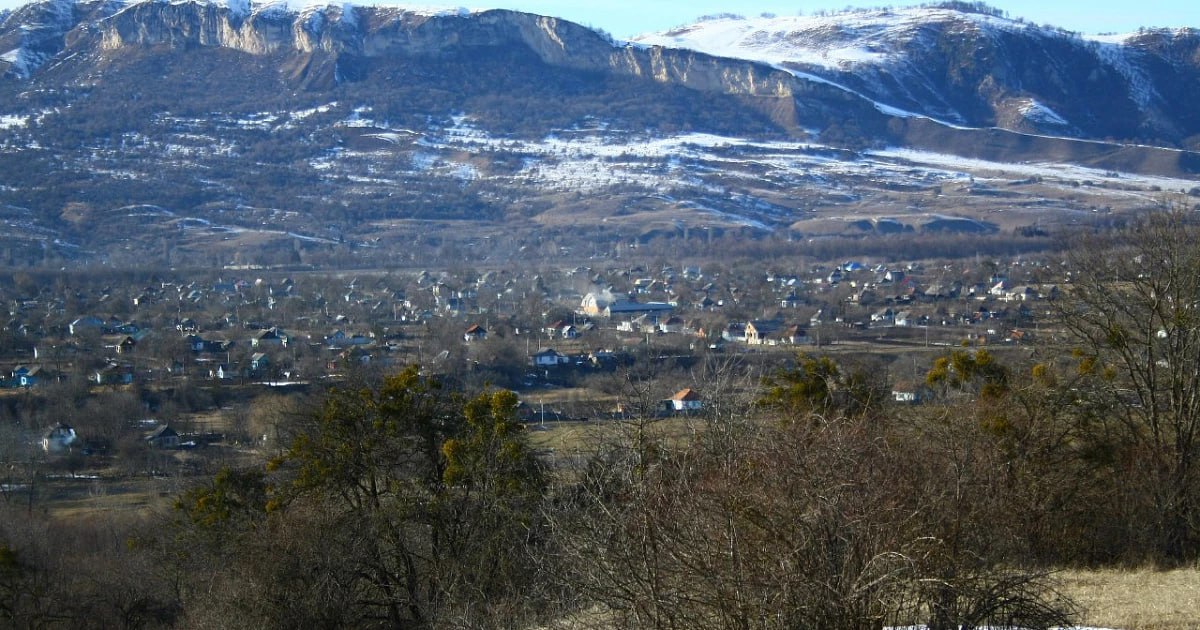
[
  {"x": 422, "y": 161},
  {"x": 22, "y": 65},
  {"x": 1117, "y": 56},
  {"x": 836, "y": 40},
  {"x": 262, "y": 120},
  {"x": 359, "y": 179},
  {"x": 1111, "y": 38},
  {"x": 146, "y": 210},
  {"x": 1039, "y": 113},
  {"x": 305, "y": 113},
  {"x": 571, "y": 160},
  {"x": 198, "y": 223},
  {"x": 842, "y": 40},
  {"x": 11, "y": 121},
  {"x": 357, "y": 118},
  {"x": 390, "y": 137},
  {"x": 1053, "y": 171},
  {"x": 786, "y": 59},
  {"x": 731, "y": 178},
  {"x": 588, "y": 176},
  {"x": 462, "y": 171}
]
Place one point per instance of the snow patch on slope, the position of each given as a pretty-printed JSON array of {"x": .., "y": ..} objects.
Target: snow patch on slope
[
  {"x": 836, "y": 41},
  {"x": 1039, "y": 113},
  {"x": 19, "y": 64},
  {"x": 1117, "y": 56},
  {"x": 238, "y": 8},
  {"x": 10, "y": 121},
  {"x": 57, "y": 17},
  {"x": 23, "y": 61},
  {"x": 1048, "y": 170}
]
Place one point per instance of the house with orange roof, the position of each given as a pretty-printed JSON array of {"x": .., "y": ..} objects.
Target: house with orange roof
[{"x": 686, "y": 399}]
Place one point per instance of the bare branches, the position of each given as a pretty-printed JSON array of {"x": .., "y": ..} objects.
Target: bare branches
[{"x": 1133, "y": 309}]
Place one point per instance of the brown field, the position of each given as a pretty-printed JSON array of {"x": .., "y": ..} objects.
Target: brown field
[
  {"x": 83, "y": 498},
  {"x": 1136, "y": 599},
  {"x": 568, "y": 395}
]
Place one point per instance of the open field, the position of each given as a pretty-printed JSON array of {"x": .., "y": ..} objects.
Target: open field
[
  {"x": 77, "y": 498},
  {"x": 1137, "y": 599}
]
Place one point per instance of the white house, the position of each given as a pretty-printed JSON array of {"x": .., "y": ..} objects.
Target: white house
[
  {"x": 259, "y": 362},
  {"x": 1022, "y": 293},
  {"x": 547, "y": 357},
  {"x": 686, "y": 400},
  {"x": 794, "y": 334},
  {"x": 910, "y": 393}
]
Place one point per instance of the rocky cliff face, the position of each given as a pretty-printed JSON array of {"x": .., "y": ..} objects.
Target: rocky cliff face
[
  {"x": 381, "y": 32},
  {"x": 959, "y": 67},
  {"x": 321, "y": 47},
  {"x": 864, "y": 75},
  {"x": 213, "y": 121},
  {"x": 196, "y": 24}
]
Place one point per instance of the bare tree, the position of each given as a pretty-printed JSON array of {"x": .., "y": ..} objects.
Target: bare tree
[
  {"x": 1132, "y": 312},
  {"x": 803, "y": 507}
]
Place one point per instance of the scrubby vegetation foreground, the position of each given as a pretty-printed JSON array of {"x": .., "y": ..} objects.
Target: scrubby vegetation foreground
[
  {"x": 807, "y": 499},
  {"x": 412, "y": 505}
]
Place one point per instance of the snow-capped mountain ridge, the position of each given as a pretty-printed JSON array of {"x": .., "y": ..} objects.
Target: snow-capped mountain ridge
[
  {"x": 348, "y": 119},
  {"x": 963, "y": 64},
  {"x": 974, "y": 68}
]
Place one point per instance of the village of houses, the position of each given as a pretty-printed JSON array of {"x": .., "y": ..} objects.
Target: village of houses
[{"x": 531, "y": 332}]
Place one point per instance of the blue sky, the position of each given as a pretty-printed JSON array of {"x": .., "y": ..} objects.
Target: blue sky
[{"x": 625, "y": 18}]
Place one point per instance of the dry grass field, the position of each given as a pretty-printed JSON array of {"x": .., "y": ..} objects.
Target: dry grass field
[
  {"x": 76, "y": 499},
  {"x": 1136, "y": 599}
]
